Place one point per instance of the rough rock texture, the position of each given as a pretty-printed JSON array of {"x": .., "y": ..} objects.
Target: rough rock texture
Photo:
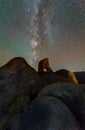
[
  {"x": 67, "y": 75},
  {"x": 68, "y": 93},
  {"x": 45, "y": 113},
  {"x": 17, "y": 77},
  {"x": 82, "y": 89}
]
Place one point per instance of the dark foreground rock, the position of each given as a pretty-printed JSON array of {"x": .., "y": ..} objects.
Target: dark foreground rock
[
  {"x": 82, "y": 88},
  {"x": 17, "y": 78},
  {"x": 45, "y": 113},
  {"x": 68, "y": 93},
  {"x": 51, "y": 78}
]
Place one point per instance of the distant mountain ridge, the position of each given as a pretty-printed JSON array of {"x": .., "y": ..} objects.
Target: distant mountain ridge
[{"x": 80, "y": 76}]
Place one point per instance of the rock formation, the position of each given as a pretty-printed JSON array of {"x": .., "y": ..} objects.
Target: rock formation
[
  {"x": 28, "y": 102},
  {"x": 66, "y": 74},
  {"x": 50, "y": 77},
  {"x": 17, "y": 77},
  {"x": 45, "y": 113},
  {"x": 43, "y": 66},
  {"x": 82, "y": 89},
  {"x": 68, "y": 93}
]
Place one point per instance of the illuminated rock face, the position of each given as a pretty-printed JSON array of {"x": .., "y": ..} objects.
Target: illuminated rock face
[
  {"x": 67, "y": 75},
  {"x": 44, "y": 66},
  {"x": 59, "y": 76}
]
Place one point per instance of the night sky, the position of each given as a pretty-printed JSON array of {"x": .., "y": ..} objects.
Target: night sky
[{"x": 35, "y": 29}]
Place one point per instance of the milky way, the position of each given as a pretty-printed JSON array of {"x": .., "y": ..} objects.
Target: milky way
[{"x": 35, "y": 29}]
